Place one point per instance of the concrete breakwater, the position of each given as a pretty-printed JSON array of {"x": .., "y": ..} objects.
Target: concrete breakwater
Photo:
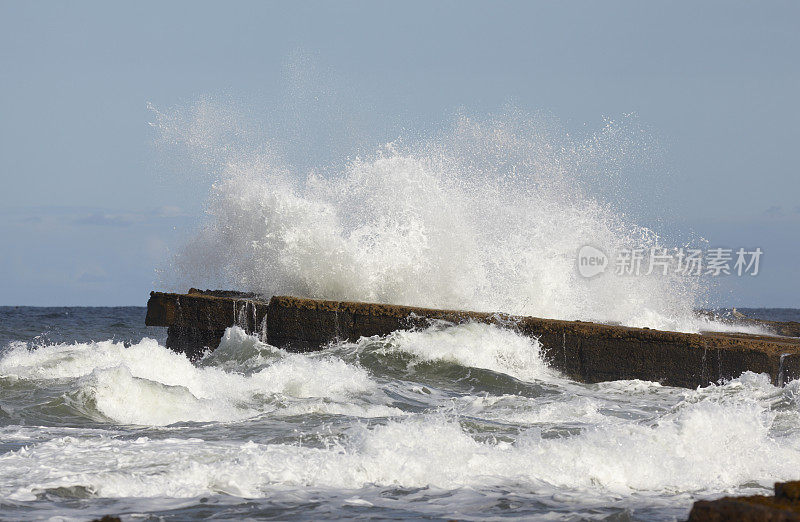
[{"x": 587, "y": 352}]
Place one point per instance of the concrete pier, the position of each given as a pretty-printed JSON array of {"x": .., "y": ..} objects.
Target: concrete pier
[{"x": 587, "y": 352}]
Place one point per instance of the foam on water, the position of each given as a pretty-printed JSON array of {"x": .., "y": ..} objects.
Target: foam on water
[
  {"x": 487, "y": 216},
  {"x": 151, "y": 385},
  {"x": 705, "y": 443},
  {"x": 473, "y": 345},
  {"x": 561, "y": 442}
]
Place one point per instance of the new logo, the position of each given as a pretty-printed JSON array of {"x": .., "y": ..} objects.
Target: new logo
[{"x": 591, "y": 261}]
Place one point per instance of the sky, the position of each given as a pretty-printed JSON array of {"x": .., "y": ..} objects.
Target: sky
[{"x": 92, "y": 204}]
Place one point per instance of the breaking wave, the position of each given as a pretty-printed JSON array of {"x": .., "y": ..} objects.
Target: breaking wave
[
  {"x": 706, "y": 443},
  {"x": 466, "y": 410},
  {"x": 488, "y": 216},
  {"x": 148, "y": 384}
]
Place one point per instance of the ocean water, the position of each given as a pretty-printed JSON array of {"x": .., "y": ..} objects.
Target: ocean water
[
  {"x": 446, "y": 422},
  {"x": 772, "y": 314}
]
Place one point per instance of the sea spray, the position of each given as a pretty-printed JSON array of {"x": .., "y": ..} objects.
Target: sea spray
[{"x": 487, "y": 216}]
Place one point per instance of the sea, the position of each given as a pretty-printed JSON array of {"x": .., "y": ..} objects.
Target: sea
[
  {"x": 450, "y": 421},
  {"x": 446, "y": 422}
]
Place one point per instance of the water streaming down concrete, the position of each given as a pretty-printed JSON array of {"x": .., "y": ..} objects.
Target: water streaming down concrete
[{"x": 583, "y": 351}]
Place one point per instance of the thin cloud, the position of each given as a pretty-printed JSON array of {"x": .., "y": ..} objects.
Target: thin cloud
[
  {"x": 106, "y": 220},
  {"x": 95, "y": 277},
  {"x": 774, "y": 211},
  {"x": 169, "y": 211}
]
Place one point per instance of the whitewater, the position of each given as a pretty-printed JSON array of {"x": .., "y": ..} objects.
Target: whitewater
[{"x": 451, "y": 421}]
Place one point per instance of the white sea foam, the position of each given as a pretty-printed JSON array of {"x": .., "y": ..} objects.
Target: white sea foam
[
  {"x": 474, "y": 345},
  {"x": 148, "y": 384},
  {"x": 715, "y": 440},
  {"x": 527, "y": 411},
  {"x": 488, "y": 216},
  {"x": 629, "y": 439}
]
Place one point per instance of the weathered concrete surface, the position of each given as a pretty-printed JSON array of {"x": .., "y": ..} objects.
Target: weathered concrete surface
[
  {"x": 197, "y": 320},
  {"x": 783, "y": 507},
  {"x": 788, "y": 329},
  {"x": 587, "y": 352}
]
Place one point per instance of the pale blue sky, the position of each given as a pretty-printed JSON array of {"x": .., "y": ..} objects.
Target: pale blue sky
[{"x": 88, "y": 202}]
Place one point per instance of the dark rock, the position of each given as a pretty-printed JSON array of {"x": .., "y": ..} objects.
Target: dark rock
[
  {"x": 225, "y": 293},
  {"x": 194, "y": 342},
  {"x": 783, "y": 507},
  {"x": 788, "y": 490}
]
